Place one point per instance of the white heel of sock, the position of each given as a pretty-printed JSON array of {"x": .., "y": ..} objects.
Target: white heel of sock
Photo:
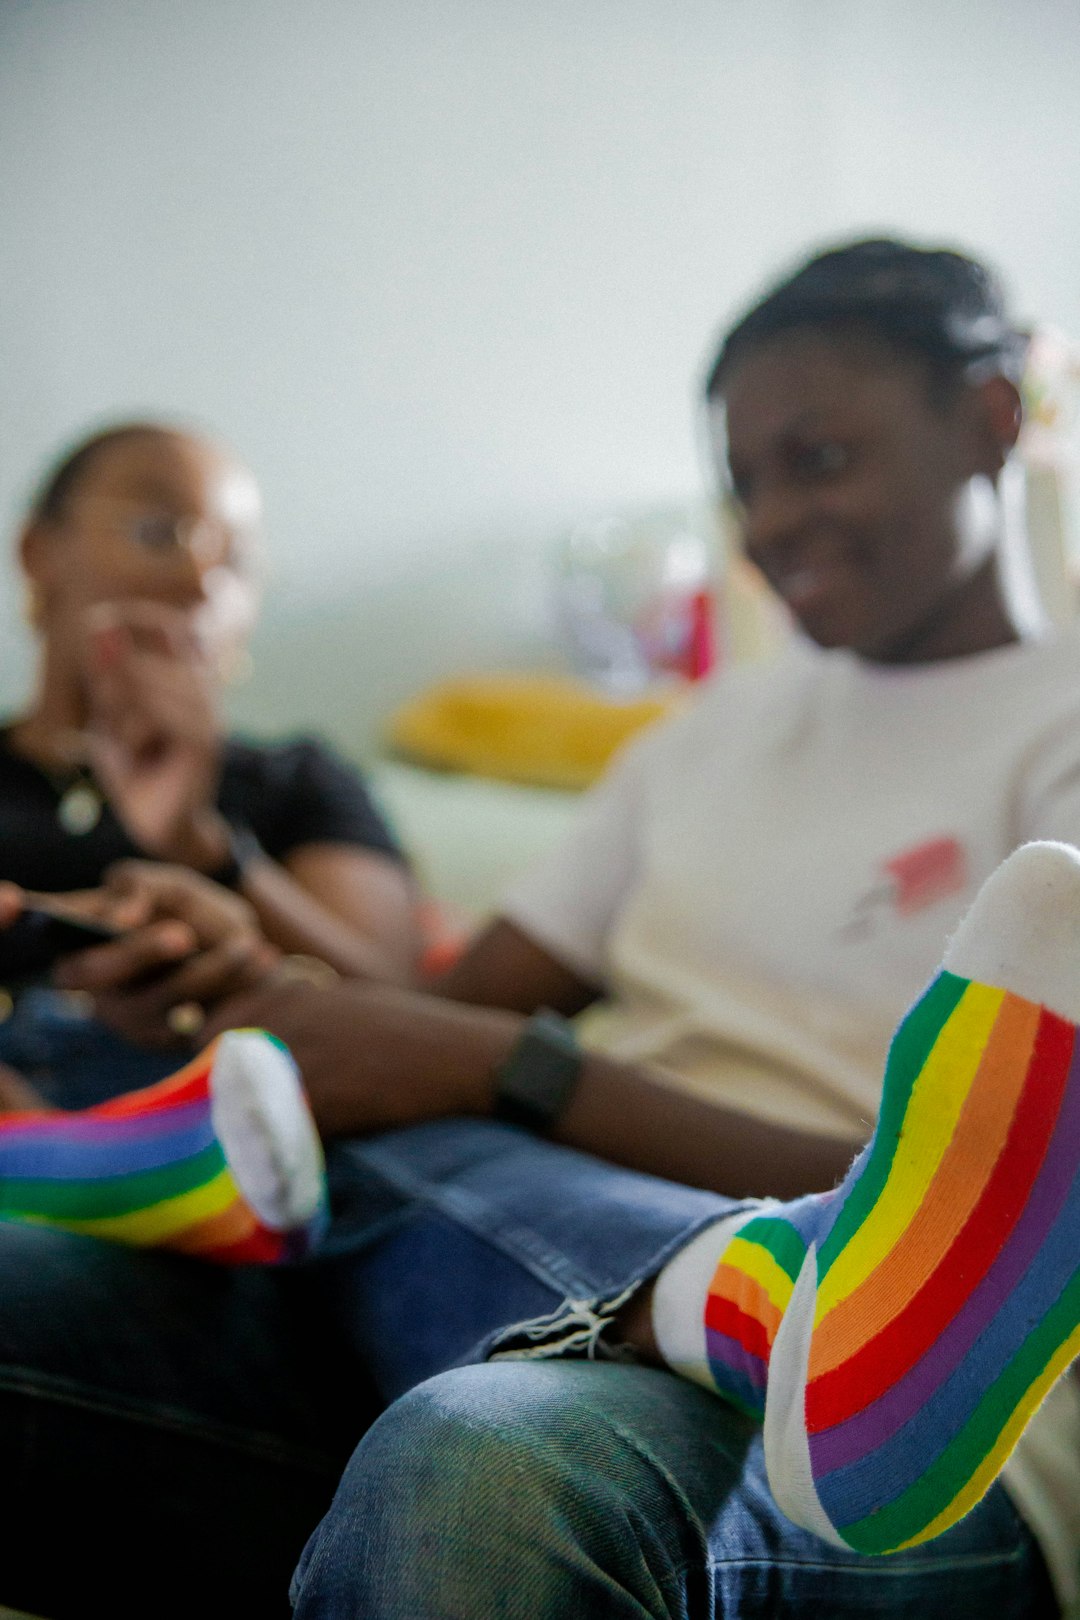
[
  {"x": 263, "y": 1123},
  {"x": 1023, "y": 931},
  {"x": 787, "y": 1447}
]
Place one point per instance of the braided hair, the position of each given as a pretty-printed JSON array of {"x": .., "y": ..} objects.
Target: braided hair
[{"x": 935, "y": 304}]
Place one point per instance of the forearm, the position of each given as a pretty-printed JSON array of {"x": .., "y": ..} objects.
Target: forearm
[
  {"x": 408, "y": 1057},
  {"x": 632, "y": 1116},
  {"x": 396, "y": 1058},
  {"x": 298, "y": 923},
  {"x": 361, "y": 925},
  {"x": 503, "y": 967}
]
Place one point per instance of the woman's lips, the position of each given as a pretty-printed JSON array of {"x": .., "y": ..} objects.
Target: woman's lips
[{"x": 803, "y": 588}]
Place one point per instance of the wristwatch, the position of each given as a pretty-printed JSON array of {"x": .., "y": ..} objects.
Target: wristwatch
[
  {"x": 536, "y": 1081},
  {"x": 244, "y": 848}
]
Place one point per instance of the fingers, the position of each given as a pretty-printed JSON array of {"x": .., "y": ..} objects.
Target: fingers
[
  {"x": 170, "y": 913},
  {"x": 128, "y": 959},
  {"x": 11, "y": 903},
  {"x": 147, "y": 673},
  {"x": 270, "y": 1005},
  {"x": 18, "y": 1096},
  {"x": 162, "y": 890},
  {"x": 94, "y": 904},
  {"x": 147, "y": 694},
  {"x": 234, "y": 965},
  {"x": 192, "y": 944},
  {"x": 112, "y": 627},
  {"x": 125, "y": 909},
  {"x": 173, "y": 1004}
]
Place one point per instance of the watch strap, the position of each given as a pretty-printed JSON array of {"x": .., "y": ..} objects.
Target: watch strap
[
  {"x": 535, "y": 1082},
  {"x": 244, "y": 848}
]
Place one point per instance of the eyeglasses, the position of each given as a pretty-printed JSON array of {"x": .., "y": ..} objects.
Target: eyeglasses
[{"x": 164, "y": 534}]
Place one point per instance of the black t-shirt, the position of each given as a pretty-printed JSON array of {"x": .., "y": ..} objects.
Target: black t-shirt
[{"x": 289, "y": 793}]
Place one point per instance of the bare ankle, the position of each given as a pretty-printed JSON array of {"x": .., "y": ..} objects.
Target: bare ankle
[{"x": 632, "y": 1327}]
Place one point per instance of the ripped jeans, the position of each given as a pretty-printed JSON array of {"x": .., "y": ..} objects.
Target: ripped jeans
[
  {"x": 148, "y": 1403},
  {"x": 458, "y": 1240}
]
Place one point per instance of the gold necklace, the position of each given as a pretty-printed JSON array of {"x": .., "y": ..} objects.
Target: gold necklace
[
  {"x": 80, "y": 806},
  {"x": 80, "y": 802}
]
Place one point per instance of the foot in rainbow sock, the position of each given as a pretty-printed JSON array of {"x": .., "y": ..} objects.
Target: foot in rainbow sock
[
  {"x": 221, "y": 1160},
  {"x": 899, "y": 1333}
]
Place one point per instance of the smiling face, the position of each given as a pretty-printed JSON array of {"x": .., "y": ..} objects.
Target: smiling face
[
  {"x": 858, "y": 491},
  {"x": 154, "y": 516}
]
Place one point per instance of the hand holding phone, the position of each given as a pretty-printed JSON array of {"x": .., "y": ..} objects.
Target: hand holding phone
[
  {"x": 184, "y": 940},
  {"x": 45, "y": 930}
]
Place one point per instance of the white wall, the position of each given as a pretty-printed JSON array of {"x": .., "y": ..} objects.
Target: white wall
[{"x": 445, "y": 270}]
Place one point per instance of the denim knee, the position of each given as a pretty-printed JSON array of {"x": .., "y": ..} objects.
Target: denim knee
[
  {"x": 539, "y": 1490},
  {"x": 502, "y": 1490}
]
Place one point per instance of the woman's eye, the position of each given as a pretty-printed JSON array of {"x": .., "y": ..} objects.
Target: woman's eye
[
  {"x": 823, "y": 460},
  {"x": 154, "y": 531}
]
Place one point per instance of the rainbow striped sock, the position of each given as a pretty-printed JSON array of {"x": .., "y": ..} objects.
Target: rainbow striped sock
[
  {"x": 898, "y": 1334},
  {"x": 221, "y": 1160}
]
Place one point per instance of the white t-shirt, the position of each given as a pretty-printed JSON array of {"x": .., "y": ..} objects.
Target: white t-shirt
[{"x": 765, "y": 884}]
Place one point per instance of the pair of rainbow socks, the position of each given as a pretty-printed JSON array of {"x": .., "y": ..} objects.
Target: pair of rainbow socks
[{"x": 895, "y": 1336}]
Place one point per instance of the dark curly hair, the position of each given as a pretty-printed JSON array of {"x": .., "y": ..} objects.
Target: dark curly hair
[
  {"x": 933, "y": 303},
  {"x": 62, "y": 479}
]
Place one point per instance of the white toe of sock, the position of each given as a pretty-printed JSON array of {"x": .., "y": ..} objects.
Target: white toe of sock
[
  {"x": 262, "y": 1121},
  {"x": 1023, "y": 931}
]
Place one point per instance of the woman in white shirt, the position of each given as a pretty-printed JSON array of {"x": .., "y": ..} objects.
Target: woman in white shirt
[{"x": 755, "y": 896}]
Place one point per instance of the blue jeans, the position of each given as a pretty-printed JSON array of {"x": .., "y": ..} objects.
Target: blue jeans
[
  {"x": 179, "y": 1428},
  {"x": 170, "y": 1431},
  {"x": 584, "y": 1491},
  {"x": 549, "y": 1488},
  {"x": 72, "y": 1059}
]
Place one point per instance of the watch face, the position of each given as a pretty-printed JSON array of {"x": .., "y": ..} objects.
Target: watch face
[{"x": 537, "y": 1079}]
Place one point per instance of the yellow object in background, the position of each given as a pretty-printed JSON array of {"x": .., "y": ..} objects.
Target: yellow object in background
[{"x": 542, "y": 729}]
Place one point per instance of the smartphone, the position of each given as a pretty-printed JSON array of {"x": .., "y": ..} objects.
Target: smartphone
[{"x": 44, "y": 931}]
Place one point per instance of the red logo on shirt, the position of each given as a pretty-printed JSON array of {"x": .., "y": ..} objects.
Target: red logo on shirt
[
  {"x": 927, "y": 873},
  {"x": 910, "y": 881}
]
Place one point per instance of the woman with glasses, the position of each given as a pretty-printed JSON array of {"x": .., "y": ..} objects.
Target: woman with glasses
[{"x": 141, "y": 556}]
